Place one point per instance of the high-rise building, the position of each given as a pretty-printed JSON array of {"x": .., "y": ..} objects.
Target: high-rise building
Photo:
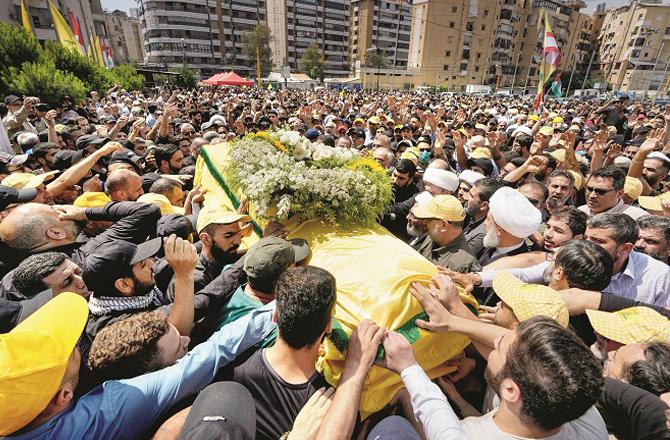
[
  {"x": 87, "y": 13},
  {"x": 125, "y": 38},
  {"x": 450, "y": 43},
  {"x": 383, "y": 26},
  {"x": 204, "y": 34},
  {"x": 635, "y": 46},
  {"x": 296, "y": 24}
]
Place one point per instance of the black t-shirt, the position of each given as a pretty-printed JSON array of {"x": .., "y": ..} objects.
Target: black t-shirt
[{"x": 277, "y": 402}]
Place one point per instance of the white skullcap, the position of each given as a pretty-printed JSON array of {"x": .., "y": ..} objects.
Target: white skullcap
[
  {"x": 442, "y": 178},
  {"x": 523, "y": 129},
  {"x": 423, "y": 198},
  {"x": 512, "y": 211},
  {"x": 622, "y": 160},
  {"x": 658, "y": 155},
  {"x": 470, "y": 177},
  {"x": 218, "y": 118}
]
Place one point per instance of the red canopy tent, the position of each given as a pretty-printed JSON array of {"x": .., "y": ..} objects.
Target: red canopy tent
[{"x": 228, "y": 79}]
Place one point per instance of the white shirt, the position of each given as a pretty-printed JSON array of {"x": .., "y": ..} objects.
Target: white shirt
[
  {"x": 590, "y": 426},
  {"x": 620, "y": 208}
]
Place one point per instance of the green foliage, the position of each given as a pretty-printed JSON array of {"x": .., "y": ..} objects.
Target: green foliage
[
  {"x": 260, "y": 38},
  {"x": 87, "y": 70},
  {"x": 187, "y": 77},
  {"x": 126, "y": 76},
  {"x": 46, "y": 82},
  {"x": 312, "y": 62},
  {"x": 16, "y": 47},
  {"x": 376, "y": 59}
]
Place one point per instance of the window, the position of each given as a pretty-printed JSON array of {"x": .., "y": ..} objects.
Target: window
[
  {"x": 476, "y": 68},
  {"x": 452, "y": 24},
  {"x": 447, "y": 53},
  {"x": 483, "y": 27},
  {"x": 469, "y": 26},
  {"x": 667, "y": 30},
  {"x": 454, "y": 9},
  {"x": 446, "y": 67},
  {"x": 486, "y": 12},
  {"x": 36, "y": 21}
]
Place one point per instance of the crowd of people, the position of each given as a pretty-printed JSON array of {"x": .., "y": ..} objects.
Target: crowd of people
[{"x": 131, "y": 309}]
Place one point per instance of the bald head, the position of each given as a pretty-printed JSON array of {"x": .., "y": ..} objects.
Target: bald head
[
  {"x": 124, "y": 185},
  {"x": 35, "y": 227},
  {"x": 439, "y": 164}
]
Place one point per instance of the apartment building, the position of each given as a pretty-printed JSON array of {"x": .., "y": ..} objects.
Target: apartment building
[{"x": 125, "y": 37}]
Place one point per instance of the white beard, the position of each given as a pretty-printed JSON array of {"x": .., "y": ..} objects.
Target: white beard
[
  {"x": 491, "y": 239},
  {"x": 413, "y": 230}
]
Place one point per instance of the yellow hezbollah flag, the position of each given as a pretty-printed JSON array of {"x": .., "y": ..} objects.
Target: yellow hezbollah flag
[
  {"x": 98, "y": 52},
  {"x": 24, "y": 17},
  {"x": 90, "y": 50},
  {"x": 366, "y": 288},
  {"x": 63, "y": 32}
]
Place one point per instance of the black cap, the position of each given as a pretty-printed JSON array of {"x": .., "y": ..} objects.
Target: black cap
[
  {"x": 10, "y": 195},
  {"x": 108, "y": 120},
  {"x": 148, "y": 179},
  {"x": 357, "y": 132},
  {"x": 11, "y": 98},
  {"x": 180, "y": 225},
  {"x": 126, "y": 157},
  {"x": 468, "y": 124},
  {"x": 222, "y": 411},
  {"x": 90, "y": 139},
  {"x": 64, "y": 159},
  {"x": 113, "y": 260},
  {"x": 43, "y": 107}
]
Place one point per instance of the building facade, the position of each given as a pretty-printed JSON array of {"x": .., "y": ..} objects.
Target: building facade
[
  {"x": 204, "y": 34},
  {"x": 296, "y": 24},
  {"x": 87, "y": 13},
  {"x": 382, "y": 26},
  {"x": 635, "y": 46},
  {"x": 125, "y": 38}
]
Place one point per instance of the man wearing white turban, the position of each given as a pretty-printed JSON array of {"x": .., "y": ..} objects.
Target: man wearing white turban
[{"x": 510, "y": 220}]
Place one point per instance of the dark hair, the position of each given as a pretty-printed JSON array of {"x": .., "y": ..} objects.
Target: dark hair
[
  {"x": 128, "y": 348},
  {"x": 652, "y": 373},
  {"x": 551, "y": 160},
  {"x": 29, "y": 275},
  {"x": 623, "y": 227},
  {"x": 305, "y": 300},
  {"x": 487, "y": 188},
  {"x": 612, "y": 172},
  {"x": 164, "y": 152},
  {"x": 524, "y": 141},
  {"x": 558, "y": 377},
  {"x": 586, "y": 265},
  {"x": 657, "y": 223},
  {"x": 541, "y": 186},
  {"x": 164, "y": 186},
  {"x": 575, "y": 218},
  {"x": 406, "y": 166},
  {"x": 517, "y": 161},
  {"x": 42, "y": 149},
  {"x": 563, "y": 173}
]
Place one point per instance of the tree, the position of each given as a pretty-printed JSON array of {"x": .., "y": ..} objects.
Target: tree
[
  {"x": 376, "y": 59},
  {"x": 87, "y": 70},
  {"x": 312, "y": 62},
  {"x": 126, "y": 76},
  {"x": 16, "y": 47},
  {"x": 260, "y": 39},
  {"x": 46, "y": 82},
  {"x": 187, "y": 77}
]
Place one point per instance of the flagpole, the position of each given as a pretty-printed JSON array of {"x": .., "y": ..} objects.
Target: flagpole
[
  {"x": 567, "y": 92},
  {"x": 516, "y": 67}
]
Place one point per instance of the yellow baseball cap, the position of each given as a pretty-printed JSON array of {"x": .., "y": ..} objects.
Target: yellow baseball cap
[
  {"x": 218, "y": 215},
  {"x": 534, "y": 117},
  {"x": 359, "y": 120},
  {"x": 374, "y": 120},
  {"x": 413, "y": 150},
  {"x": 632, "y": 187},
  {"x": 574, "y": 128},
  {"x": 557, "y": 120},
  {"x": 27, "y": 180},
  {"x": 481, "y": 153},
  {"x": 559, "y": 154},
  {"x": 443, "y": 207},
  {"x": 409, "y": 156},
  {"x": 634, "y": 325},
  {"x": 529, "y": 300},
  {"x": 481, "y": 127},
  {"x": 546, "y": 131},
  {"x": 34, "y": 357},
  {"x": 162, "y": 202},
  {"x": 92, "y": 200},
  {"x": 653, "y": 203}
]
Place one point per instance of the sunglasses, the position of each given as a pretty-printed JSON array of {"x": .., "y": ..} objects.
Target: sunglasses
[{"x": 599, "y": 191}]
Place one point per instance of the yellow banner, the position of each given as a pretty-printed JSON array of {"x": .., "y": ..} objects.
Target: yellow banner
[{"x": 63, "y": 32}]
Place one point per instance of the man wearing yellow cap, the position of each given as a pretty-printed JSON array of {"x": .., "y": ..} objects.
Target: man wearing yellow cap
[
  {"x": 40, "y": 364},
  {"x": 445, "y": 245}
]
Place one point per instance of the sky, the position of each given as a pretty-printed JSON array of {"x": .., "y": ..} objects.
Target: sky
[{"x": 124, "y": 5}]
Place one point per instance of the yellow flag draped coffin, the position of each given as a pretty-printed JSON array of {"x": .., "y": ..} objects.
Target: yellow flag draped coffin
[{"x": 331, "y": 198}]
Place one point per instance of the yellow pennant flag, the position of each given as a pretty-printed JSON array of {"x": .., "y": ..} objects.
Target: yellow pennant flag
[
  {"x": 63, "y": 32},
  {"x": 24, "y": 17},
  {"x": 98, "y": 52}
]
